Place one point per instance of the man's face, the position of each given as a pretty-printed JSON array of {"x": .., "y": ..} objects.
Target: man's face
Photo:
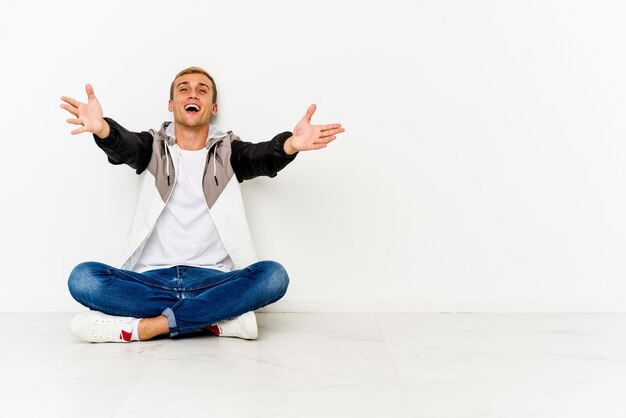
[{"x": 192, "y": 101}]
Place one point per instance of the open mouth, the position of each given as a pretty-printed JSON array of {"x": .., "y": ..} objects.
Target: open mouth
[{"x": 192, "y": 108}]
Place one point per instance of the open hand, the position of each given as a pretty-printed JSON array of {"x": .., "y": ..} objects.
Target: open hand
[
  {"x": 308, "y": 137},
  {"x": 87, "y": 115}
]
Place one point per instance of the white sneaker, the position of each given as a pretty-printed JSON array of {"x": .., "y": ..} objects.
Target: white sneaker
[
  {"x": 243, "y": 326},
  {"x": 98, "y": 327}
]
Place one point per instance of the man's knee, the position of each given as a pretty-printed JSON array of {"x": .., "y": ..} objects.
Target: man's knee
[
  {"x": 83, "y": 280},
  {"x": 276, "y": 278}
]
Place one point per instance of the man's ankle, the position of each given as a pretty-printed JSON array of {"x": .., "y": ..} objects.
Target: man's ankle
[{"x": 149, "y": 328}]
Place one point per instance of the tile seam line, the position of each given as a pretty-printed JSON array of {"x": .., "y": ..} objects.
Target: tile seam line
[
  {"x": 395, "y": 368},
  {"x": 125, "y": 398}
]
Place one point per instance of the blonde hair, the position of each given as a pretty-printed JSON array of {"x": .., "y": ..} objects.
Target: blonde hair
[{"x": 194, "y": 70}]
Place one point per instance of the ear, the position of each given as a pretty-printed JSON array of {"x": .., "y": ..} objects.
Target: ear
[
  {"x": 169, "y": 106},
  {"x": 214, "y": 111}
]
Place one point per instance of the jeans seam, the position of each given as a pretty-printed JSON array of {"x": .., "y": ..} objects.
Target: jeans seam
[
  {"x": 97, "y": 307},
  {"x": 191, "y": 289},
  {"x": 140, "y": 281}
]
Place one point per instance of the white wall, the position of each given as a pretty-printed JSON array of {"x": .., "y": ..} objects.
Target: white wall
[{"x": 483, "y": 167}]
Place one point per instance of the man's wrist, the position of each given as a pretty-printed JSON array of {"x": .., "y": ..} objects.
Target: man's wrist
[
  {"x": 288, "y": 147},
  {"x": 105, "y": 131}
]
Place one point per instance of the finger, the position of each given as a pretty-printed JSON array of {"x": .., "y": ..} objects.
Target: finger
[
  {"x": 309, "y": 112},
  {"x": 328, "y": 127},
  {"x": 74, "y": 121},
  {"x": 331, "y": 132},
  {"x": 70, "y": 109},
  {"x": 70, "y": 101},
  {"x": 89, "y": 91},
  {"x": 78, "y": 131},
  {"x": 325, "y": 141}
]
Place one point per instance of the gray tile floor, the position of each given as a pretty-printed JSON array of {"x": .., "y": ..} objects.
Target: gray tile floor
[{"x": 325, "y": 365}]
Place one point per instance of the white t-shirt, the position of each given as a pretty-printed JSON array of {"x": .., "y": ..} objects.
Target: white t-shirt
[{"x": 184, "y": 233}]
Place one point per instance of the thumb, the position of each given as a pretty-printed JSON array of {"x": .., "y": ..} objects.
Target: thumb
[
  {"x": 309, "y": 112},
  {"x": 89, "y": 91}
]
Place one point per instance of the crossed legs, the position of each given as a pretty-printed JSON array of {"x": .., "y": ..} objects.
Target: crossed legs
[{"x": 179, "y": 299}]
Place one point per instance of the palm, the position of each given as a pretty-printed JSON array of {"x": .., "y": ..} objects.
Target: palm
[
  {"x": 305, "y": 131},
  {"x": 310, "y": 137},
  {"x": 89, "y": 114}
]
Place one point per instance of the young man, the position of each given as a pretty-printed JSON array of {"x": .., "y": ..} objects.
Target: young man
[{"x": 189, "y": 263}]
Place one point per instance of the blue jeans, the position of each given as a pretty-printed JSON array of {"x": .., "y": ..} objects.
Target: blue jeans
[{"x": 192, "y": 298}]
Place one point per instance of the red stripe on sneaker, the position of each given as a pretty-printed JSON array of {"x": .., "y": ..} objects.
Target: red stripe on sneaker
[{"x": 126, "y": 335}]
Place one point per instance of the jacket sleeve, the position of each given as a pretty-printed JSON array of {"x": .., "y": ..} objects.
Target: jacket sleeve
[
  {"x": 125, "y": 147},
  {"x": 250, "y": 160}
]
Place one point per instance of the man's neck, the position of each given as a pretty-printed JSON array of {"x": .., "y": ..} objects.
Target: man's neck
[{"x": 191, "y": 138}]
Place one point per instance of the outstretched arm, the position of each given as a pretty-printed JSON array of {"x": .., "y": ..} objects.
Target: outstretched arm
[
  {"x": 119, "y": 144},
  {"x": 307, "y": 137},
  {"x": 250, "y": 160},
  {"x": 88, "y": 115}
]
